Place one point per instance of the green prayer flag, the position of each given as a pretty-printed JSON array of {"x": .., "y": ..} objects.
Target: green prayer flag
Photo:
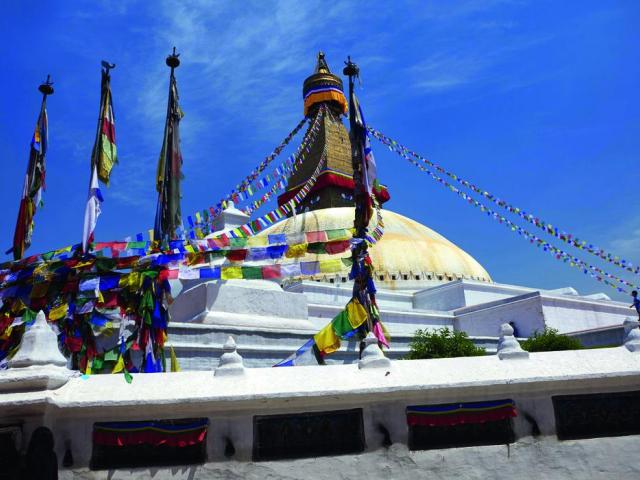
[
  {"x": 28, "y": 315},
  {"x": 347, "y": 261},
  {"x": 111, "y": 356},
  {"x": 238, "y": 242},
  {"x": 97, "y": 364},
  {"x": 341, "y": 324},
  {"x": 337, "y": 234},
  {"x": 127, "y": 376},
  {"x": 252, "y": 273},
  {"x": 147, "y": 301},
  {"x": 316, "y": 248},
  {"x": 104, "y": 264}
]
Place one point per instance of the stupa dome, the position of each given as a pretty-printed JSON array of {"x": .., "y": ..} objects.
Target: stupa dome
[{"x": 409, "y": 253}]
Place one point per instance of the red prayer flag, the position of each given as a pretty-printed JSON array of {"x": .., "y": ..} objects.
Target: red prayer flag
[{"x": 271, "y": 271}]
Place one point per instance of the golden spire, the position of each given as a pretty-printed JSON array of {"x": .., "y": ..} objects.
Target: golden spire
[
  {"x": 322, "y": 86},
  {"x": 321, "y": 65}
]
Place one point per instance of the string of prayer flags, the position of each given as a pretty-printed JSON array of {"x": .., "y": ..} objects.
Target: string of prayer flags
[
  {"x": 562, "y": 235},
  {"x": 261, "y": 247},
  {"x": 246, "y": 188},
  {"x": 593, "y": 271},
  {"x": 92, "y": 307},
  {"x": 349, "y": 319},
  {"x": 343, "y": 326},
  {"x": 364, "y": 180},
  {"x": 296, "y": 358}
]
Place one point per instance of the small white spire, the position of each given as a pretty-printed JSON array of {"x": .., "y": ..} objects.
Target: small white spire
[
  {"x": 39, "y": 346},
  {"x": 230, "y": 362},
  {"x": 372, "y": 355},
  {"x": 508, "y": 345}
]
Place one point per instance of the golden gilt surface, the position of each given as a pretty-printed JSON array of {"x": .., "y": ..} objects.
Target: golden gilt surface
[{"x": 407, "y": 247}]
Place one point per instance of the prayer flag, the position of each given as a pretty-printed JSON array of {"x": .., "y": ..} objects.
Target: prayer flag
[
  {"x": 58, "y": 312},
  {"x": 303, "y": 356},
  {"x": 327, "y": 340},
  {"x": 341, "y": 324},
  {"x": 296, "y": 250},
  {"x": 169, "y": 171},
  {"x": 175, "y": 367},
  {"x": 331, "y": 266},
  {"x": 290, "y": 270},
  {"x": 92, "y": 210},
  {"x": 228, "y": 273},
  {"x": 356, "y": 313},
  {"x": 252, "y": 273},
  {"x": 104, "y": 155},
  {"x": 380, "y": 332},
  {"x": 309, "y": 268},
  {"x": 34, "y": 184},
  {"x": 271, "y": 271}
]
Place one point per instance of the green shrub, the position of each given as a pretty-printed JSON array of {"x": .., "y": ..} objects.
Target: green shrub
[
  {"x": 442, "y": 343},
  {"x": 550, "y": 341}
]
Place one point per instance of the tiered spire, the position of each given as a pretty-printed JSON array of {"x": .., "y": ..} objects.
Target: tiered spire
[{"x": 334, "y": 187}]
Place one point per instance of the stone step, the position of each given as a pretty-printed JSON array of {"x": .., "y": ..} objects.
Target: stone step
[
  {"x": 199, "y": 347},
  {"x": 397, "y": 322}
]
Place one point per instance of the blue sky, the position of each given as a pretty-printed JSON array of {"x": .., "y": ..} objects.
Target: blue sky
[{"x": 537, "y": 102}]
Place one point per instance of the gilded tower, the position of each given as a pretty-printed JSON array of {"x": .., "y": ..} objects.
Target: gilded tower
[
  {"x": 409, "y": 255},
  {"x": 334, "y": 186}
]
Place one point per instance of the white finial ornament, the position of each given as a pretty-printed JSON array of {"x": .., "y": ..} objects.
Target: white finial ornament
[
  {"x": 39, "y": 346},
  {"x": 372, "y": 355},
  {"x": 508, "y": 345},
  {"x": 230, "y": 362}
]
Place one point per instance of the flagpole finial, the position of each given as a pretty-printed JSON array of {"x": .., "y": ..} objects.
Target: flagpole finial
[
  {"x": 107, "y": 66},
  {"x": 350, "y": 69},
  {"x": 46, "y": 88},
  {"x": 172, "y": 60}
]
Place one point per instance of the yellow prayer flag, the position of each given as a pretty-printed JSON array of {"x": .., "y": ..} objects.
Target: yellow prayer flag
[
  {"x": 228, "y": 273},
  {"x": 119, "y": 366},
  {"x": 356, "y": 313},
  {"x": 7, "y": 333},
  {"x": 58, "y": 312},
  {"x": 87, "y": 370},
  {"x": 175, "y": 367},
  {"x": 257, "y": 241},
  {"x": 331, "y": 266},
  {"x": 18, "y": 306},
  {"x": 131, "y": 280},
  {"x": 297, "y": 250},
  {"x": 327, "y": 340},
  {"x": 84, "y": 264}
]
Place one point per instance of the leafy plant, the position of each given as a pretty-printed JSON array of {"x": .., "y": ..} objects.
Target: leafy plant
[
  {"x": 549, "y": 340},
  {"x": 442, "y": 343}
]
